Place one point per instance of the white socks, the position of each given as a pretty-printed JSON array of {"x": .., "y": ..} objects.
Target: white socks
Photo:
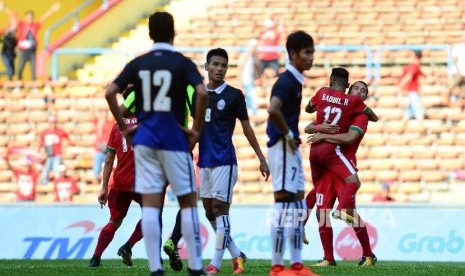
[
  {"x": 278, "y": 241},
  {"x": 151, "y": 231},
  {"x": 223, "y": 229},
  {"x": 190, "y": 230},
  {"x": 296, "y": 232},
  {"x": 232, "y": 247}
]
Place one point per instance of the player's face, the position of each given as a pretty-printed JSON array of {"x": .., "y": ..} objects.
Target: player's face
[
  {"x": 359, "y": 89},
  {"x": 217, "y": 68},
  {"x": 303, "y": 60}
]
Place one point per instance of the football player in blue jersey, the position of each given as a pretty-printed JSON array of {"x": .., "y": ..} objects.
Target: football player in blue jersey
[
  {"x": 217, "y": 156},
  {"x": 161, "y": 144},
  {"x": 285, "y": 158}
]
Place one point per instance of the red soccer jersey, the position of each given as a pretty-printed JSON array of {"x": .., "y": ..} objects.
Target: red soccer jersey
[
  {"x": 103, "y": 129},
  {"x": 337, "y": 107},
  {"x": 123, "y": 175},
  {"x": 415, "y": 70},
  {"x": 65, "y": 188},
  {"x": 360, "y": 124},
  {"x": 52, "y": 139},
  {"x": 26, "y": 185}
]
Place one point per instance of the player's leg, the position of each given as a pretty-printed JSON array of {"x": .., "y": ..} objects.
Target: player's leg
[
  {"x": 340, "y": 166},
  {"x": 150, "y": 182},
  {"x": 171, "y": 245},
  {"x": 116, "y": 204},
  {"x": 300, "y": 215},
  {"x": 125, "y": 251},
  {"x": 180, "y": 173},
  {"x": 285, "y": 169},
  {"x": 325, "y": 198}
]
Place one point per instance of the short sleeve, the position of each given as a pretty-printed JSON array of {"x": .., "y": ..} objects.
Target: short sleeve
[
  {"x": 315, "y": 99},
  {"x": 193, "y": 76},
  {"x": 111, "y": 144},
  {"x": 126, "y": 76},
  {"x": 279, "y": 91},
  {"x": 241, "y": 108},
  {"x": 360, "y": 124}
]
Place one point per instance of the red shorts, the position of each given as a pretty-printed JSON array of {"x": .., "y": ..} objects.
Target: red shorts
[
  {"x": 327, "y": 190},
  {"x": 119, "y": 202},
  {"x": 325, "y": 157}
]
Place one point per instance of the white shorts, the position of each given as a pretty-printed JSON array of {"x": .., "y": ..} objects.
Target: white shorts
[
  {"x": 155, "y": 168},
  {"x": 286, "y": 168},
  {"x": 218, "y": 182}
]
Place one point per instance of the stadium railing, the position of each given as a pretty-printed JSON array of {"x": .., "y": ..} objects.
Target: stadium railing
[
  {"x": 373, "y": 62},
  {"x": 73, "y": 15}
]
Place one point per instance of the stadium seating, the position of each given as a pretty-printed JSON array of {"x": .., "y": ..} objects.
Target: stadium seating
[{"x": 412, "y": 155}]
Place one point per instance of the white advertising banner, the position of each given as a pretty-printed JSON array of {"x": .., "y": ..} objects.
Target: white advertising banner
[{"x": 421, "y": 233}]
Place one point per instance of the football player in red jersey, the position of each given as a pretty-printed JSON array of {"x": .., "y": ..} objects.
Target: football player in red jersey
[
  {"x": 331, "y": 104},
  {"x": 119, "y": 194},
  {"x": 324, "y": 194}
]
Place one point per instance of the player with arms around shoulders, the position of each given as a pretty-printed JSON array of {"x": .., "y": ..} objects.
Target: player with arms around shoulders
[
  {"x": 331, "y": 187},
  {"x": 284, "y": 156},
  {"x": 119, "y": 195},
  {"x": 333, "y": 105},
  {"x": 161, "y": 145},
  {"x": 217, "y": 156}
]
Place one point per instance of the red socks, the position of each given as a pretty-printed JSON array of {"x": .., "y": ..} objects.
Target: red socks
[
  {"x": 136, "y": 235},
  {"x": 104, "y": 239},
  {"x": 347, "y": 200},
  {"x": 326, "y": 235},
  {"x": 362, "y": 235}
]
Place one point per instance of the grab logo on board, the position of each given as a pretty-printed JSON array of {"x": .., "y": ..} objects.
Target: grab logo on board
[
  {"x": 347, "y": 245},
  {"x": 204, "y": 239}
]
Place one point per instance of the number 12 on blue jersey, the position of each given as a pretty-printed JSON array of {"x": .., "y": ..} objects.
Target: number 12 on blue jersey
[{"x": 162, "y": 79}]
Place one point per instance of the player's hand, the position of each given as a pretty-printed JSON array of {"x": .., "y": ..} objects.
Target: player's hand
[
  {"x": 315, "y": 138},
  {"x": 192, "y": 137},
  {"x": 103, "y": 197},
  {"x": 327, "y": 127},
  {"x": 304, "y": 238},
  {"x": 264, "y": 169},
  {"x": 292, "y": 144}
]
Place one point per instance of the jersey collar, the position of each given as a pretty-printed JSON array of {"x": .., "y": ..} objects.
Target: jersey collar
[
  {"x": 162, "y": 46},
  {"x": 218, "y": 90},
  {"x": 299, "y": 76}
]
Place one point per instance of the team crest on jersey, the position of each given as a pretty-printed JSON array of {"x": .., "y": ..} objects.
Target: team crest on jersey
[{"x": 221, "y": 104}]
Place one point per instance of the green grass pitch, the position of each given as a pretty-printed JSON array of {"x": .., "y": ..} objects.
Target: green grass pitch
[{"x": 253, "y": 267}]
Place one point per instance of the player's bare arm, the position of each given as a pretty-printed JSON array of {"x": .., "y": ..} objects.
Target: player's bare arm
[
  {"x": 325, "y": 127},
  {"x": 276, "y": 116},
  {"x": 250, "y": 135},
  {"x": 339, "y": 139},
  {"x": 107, "y": 168},
  {"x": 110, "y": 96},
  {"x": 371, "y": 114}
]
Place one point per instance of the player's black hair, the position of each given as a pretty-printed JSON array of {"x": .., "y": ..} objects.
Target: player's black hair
[
  {"x": 298, "y": 40},
  {"x": 339, "y": 74},
  {"x": 362, "y": 82},
  {"x": 217, "y": 52},
  {"x": 161, "y": 27},
  {"x": 418, "y": 54}
]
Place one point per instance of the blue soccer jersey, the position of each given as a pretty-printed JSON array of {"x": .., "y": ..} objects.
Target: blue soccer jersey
[
  {"x": 226, "y": 104},
  {"x": 160, "y": 78},
  {"x": 288, "y": 88}
]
